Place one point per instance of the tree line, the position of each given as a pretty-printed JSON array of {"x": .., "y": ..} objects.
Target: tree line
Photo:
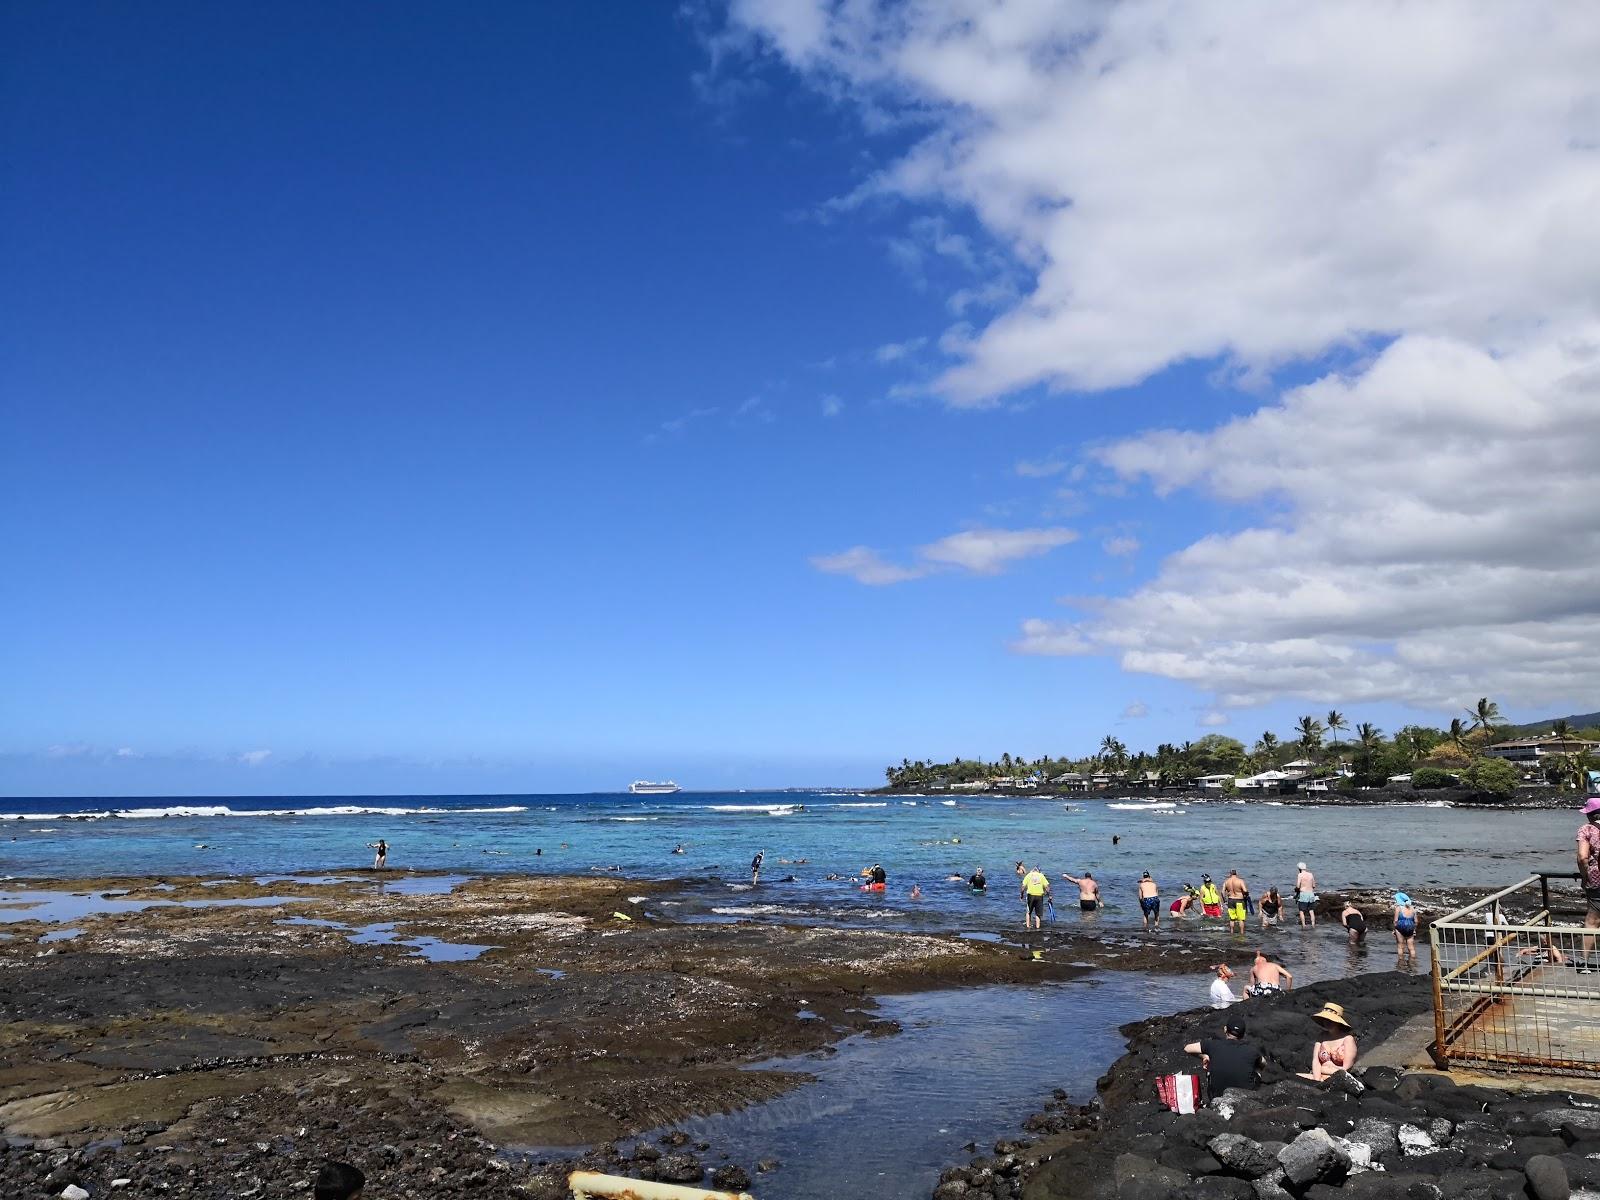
[{"x": 1361, "y": 755}]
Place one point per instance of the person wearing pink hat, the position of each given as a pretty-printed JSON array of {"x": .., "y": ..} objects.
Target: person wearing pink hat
[{"x": 1589, "y": 874}]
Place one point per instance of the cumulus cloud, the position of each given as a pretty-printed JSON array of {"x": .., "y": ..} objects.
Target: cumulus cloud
[
  {"x": 1212, "y": 718},
  {"x": 1254, "y": 180},
  {"x": 254, "y": 758},
  {"x": 1136, "y": 710},
  {"x": 979, "y": 551},
  {"x": 1408, "y": 185}
]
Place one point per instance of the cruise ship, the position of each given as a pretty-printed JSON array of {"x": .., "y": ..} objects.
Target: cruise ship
[{"x": 643, "y": 787}]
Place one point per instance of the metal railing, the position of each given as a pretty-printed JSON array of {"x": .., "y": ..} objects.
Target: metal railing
[{"x": 1514, "y": 986}]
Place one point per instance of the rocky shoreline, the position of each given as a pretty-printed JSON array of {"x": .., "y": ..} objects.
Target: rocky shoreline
[
  {"x": 1374, "y": 1134},
  {"x": 225, "y": 1039},
  {"x": 1533, "y": 798}
]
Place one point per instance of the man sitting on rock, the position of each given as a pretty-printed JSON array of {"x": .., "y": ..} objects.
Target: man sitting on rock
[{"x": 1230, "y": 1061}]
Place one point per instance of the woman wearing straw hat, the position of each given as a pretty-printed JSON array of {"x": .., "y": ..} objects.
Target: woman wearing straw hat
[{"x": 1335, "y": 1051}]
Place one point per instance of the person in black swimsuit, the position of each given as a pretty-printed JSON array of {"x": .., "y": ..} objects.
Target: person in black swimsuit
[
  {"x": 755, "y": 867},
  {"x": 978, "y": 883},
  {"x": 1354, "y": 922}
]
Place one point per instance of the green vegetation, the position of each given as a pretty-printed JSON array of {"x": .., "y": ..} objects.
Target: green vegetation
[
  {"x": 1433, "y": 757},
  {"x": 1425, "y": 778}
]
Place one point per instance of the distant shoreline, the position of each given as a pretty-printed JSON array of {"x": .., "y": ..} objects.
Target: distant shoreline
[{"x": 1457, "y": 797}]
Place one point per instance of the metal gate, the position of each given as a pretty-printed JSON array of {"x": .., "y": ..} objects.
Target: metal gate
[{"x": 1514, "y": 986}]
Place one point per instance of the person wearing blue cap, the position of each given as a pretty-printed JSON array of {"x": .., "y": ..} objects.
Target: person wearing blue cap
[{"x": 1405, "y": 926}]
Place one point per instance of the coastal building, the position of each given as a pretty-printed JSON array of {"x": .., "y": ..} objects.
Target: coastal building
[
  {"x": 1299, "y": 768},
  {"x": 1534, "y": 749},
  {"x": 1214, "y": 782}
]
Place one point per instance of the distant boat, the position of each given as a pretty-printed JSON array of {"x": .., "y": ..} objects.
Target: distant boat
[{"x": 643, "y": 787}]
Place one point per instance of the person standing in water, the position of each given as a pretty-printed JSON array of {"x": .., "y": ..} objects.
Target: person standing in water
[
  {"x": 1234, "y": 891},
  {"x": 1035, "y": 891},
  {"x": 1088, "y": 891},
  {"x": 1149, "y": 902},
  {"x": 1405, "y": 926},
  {"x": 979, "y": 882},
  {"x": 1355, "y": 923},
  {"x": 1305, "y": 896},
  {"x": 755, "y": 867},
  {"x": 380, "y": 857},
  {"x": 1271, "y": 907},
  {"x": 1210, "y": 898}
]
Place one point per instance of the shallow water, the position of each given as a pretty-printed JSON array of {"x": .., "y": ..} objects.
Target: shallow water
[{"x": 920, "y": 841}]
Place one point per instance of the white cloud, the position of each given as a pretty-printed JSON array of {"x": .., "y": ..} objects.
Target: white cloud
[
  {"x": 1120, "y": 547},
  {"x": 1434, "y": 538},
  {"x": 1135, "y": 711},
  {"x": 679, "y": 424},
  {"x": 865, "y": 565},
  {"x": 980, "y": 551},
  {"x": 1253, "y": 180},
  {"x": 254, "y": 758},
  {"x": 1212, "y": 718},
  {"x": 1041, "y": 468},
  {"x": 989, "y": 551},
  {"x": 128, "y": 752},
  {"x": 895, "y": 351},
  {"x": 1052, "y": 638},
  {"x": 832, "y": 406},
  {"x": 70, "y": 750},
  {"x": 1255, "y": 183}
]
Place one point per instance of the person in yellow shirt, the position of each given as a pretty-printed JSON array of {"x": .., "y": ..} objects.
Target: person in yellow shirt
[
  {"x": 1210, "y": 898},
  {"x": 1036, "y": 892}
]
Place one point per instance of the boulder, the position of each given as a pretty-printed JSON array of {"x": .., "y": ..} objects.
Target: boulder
[
  {"x": 1242, "y": 1156},
  {"x": 1191, "y": 1160},
  {"x": 1547, "y": 1178},
  {"x": 73, "y": 1192},
  {"x": 1415, "y": 1141},
  {"x": 1314, "y": 1157},
  {"x": 1565, "y": 1119},
  {"x": 1378, "y": 1135},
  {"x": 1343, "y": 1081}
]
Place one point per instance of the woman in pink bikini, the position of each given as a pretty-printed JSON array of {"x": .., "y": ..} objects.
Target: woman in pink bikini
[{"x": 1336, "y": 1050}]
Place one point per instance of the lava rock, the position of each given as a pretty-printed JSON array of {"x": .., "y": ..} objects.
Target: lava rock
[
  {"x": 1314, "y": 1157},
  {"x": 1379, "y": 1136},
  {"x": 1242, "y": 1156},
  {"x": 679, "y": 1168},
  {"x": 1547, "y": 1178},
  {"x": 731, "y": 1177}
]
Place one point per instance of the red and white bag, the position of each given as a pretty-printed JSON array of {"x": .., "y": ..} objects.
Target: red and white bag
[{"x": 1180, "y": 1093}]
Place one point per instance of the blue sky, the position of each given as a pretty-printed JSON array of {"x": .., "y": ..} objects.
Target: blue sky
[{"x": 405, "y": 398}]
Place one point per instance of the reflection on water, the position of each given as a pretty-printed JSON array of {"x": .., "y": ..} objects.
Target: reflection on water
[{"x": 968, "y": 1066}]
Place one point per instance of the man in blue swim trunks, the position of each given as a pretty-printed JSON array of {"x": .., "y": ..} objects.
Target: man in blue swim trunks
[{"x": 1149, "y": 901}]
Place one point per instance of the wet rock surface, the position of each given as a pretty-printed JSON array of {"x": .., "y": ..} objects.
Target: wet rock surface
[{"x": 1377, "y": 1134}]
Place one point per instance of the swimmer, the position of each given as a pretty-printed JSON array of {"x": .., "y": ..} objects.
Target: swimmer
[
  {"x": 538, "y": 851},
  {"x": 916, "y": 891},
  {"x": 755, "y": 867},
  {"x": 380, "y": 859},
  {"x": 1035, "y": 892},
  {"x": 978, "y": 882},
  {"x": 875, "y": 875},
  {"x": 678, "y": 849},
  {"x": 1405, "y": 927},
  {"x": 1088, "y": 891},
  {"x": 1355, "y": 923},
  {"x": 1271, "y": 908},
  {"x": 1210, "y": 898},
  {"x": 1116, "y": 839}
]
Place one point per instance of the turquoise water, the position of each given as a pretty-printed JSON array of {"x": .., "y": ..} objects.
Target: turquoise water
[
  {"x": 918, "y": 840},
  {"x": 970, "y": 1063}
]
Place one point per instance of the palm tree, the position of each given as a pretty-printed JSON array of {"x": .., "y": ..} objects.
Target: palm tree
[
  {"x": 1416, "y": 744},
  {"x": 1310, "y": 730},
  {"x": 1561, "y": 729},
  {"x": 1369, "y": 736},
  {"x": 1267, "y": 747},
  {"x": 1486, "y": 716},
  {"x": 1457, "y": 735},
  {"x": 1336, "y": 722}
]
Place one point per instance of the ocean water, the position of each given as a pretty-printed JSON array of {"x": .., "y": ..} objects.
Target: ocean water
[
  {"x": 971, "y": 1063},
  {"x": 918, "y": 840}
]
